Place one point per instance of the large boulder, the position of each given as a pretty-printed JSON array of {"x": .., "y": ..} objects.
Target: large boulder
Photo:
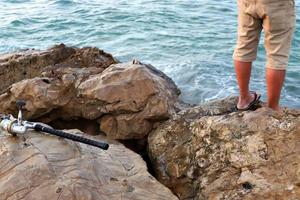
[
  {"x": 136, "y": 97},
  {"x": 30, "y": 63},
  {"x": 209, "y": 152},
  {"x": 126, "y": 99},
  {"x": 39, "y": 166}
]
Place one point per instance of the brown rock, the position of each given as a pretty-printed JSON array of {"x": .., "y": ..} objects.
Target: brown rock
[
  {"x": 241, "y": 155},
  {"x": 137, "y": 97},
  {"x": 31, "y": 63},
  {"x": 39, "y": 166},
  {"x": 126, "y": 99}
]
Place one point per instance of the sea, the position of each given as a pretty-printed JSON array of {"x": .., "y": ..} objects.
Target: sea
[{"x": 192, "y": 41}]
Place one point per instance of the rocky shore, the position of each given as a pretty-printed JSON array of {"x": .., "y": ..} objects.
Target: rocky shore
[{"x": 186, "y": 152}]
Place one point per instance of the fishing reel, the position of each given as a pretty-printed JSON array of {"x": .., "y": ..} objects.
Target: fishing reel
[{"x": 18, "y": 126}]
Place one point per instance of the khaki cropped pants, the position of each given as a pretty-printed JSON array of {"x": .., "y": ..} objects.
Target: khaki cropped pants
[{"x": 277, "y": 19}]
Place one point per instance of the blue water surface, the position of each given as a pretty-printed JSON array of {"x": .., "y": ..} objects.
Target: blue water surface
[{"x": 190, "y": 40}]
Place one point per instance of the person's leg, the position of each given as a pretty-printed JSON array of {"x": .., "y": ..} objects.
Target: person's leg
[
  {"x": 249, "y": 29},
  {"x": 279, "y": 27},
  {"x": 243, "y": 73},
  {"x": 275, "y": 79}
]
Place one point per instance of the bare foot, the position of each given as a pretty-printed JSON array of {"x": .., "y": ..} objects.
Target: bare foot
[
  {"x": 275, "y": 108},
  {"x": 278, "y": 109}
]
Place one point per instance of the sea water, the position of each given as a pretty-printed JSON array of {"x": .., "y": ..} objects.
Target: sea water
[{"x": 190, "y": 40}]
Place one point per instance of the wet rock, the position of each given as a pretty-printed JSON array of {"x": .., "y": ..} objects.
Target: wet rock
[
  {"x": 126, "y": 99},
  {"x": 228, "y": 155},
  {"x": 39, "y": 166}
]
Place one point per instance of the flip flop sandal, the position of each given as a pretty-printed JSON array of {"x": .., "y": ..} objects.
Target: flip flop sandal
[{"x": 251, "y": 104}]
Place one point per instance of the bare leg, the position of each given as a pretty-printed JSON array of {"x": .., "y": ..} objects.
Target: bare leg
[
  {"x": 275, "y": 79},
  {"x": 243, "y": 73}
]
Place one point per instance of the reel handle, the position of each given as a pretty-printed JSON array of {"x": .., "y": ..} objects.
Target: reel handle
[{"x": 20, "y": 105}]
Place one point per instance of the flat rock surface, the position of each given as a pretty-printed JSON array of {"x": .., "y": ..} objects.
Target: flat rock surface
[
  {"x": 228, "y": 155},
  {"x": 39, "y": 166}
]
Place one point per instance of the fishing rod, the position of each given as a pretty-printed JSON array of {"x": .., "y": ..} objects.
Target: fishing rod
[{"x": 18, "y": 126}]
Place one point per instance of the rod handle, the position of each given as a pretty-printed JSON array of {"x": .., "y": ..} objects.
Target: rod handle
[{"x": 73, "y": 137}]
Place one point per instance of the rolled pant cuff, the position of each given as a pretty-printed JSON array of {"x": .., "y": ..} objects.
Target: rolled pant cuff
[
  {"x": 243, "y": 59},
  {"x": 282, "y": 68},
  {"x": 276, "y": 65}
]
